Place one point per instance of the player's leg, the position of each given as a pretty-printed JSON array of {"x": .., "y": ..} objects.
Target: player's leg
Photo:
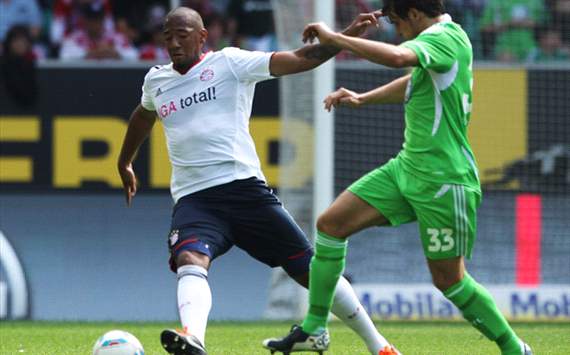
[
  {"x": 476, "y": 304},
  {"x": 373, "y": 200},
  {"x": 193, "y": 293},
  {"x": 194, "y": 301},
  {"x": 347, "y": 307},
  {"x": 269, "y": 234},
  {"x": 347, "y": 215},
  {"x": 447, "y": 221},
  {"x": 325, "y": 278},
  {"x": 197, "y": 237}
]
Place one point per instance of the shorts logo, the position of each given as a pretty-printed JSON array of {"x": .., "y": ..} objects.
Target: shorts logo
[
  {"x": 207, "y": 75},
  {"x": 173, "y": 237}
]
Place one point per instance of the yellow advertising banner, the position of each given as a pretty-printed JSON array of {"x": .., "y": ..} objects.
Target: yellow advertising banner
[
  {"x": 498, "y": 127},
  {"x": 498, "y": 135}
]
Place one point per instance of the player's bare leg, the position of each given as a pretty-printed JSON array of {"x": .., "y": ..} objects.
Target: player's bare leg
[{"x": 476, "y": 304}]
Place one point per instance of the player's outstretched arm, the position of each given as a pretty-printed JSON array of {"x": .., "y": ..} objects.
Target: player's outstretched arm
[
  {"x": 391, "y": 93},
  {"x": 140, "y": 125},
  {"x": 311, "y": 56},
  {"x": 374, "y": 51}
]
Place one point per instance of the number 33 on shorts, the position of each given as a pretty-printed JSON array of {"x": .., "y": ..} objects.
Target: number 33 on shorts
[
  {"x": 440, "y": 239},
  {"x": 448, "y": 224}
]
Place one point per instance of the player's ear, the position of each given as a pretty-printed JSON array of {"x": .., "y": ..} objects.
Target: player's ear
[
  {"x": 203, "y": 36},
  {"x": 414, "y": 14}
]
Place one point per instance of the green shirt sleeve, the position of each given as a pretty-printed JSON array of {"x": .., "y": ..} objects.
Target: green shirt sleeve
[{"x": 434, "y": 51}]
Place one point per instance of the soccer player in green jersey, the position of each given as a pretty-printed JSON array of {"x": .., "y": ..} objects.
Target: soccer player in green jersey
[{"x": 432, "y": 180}]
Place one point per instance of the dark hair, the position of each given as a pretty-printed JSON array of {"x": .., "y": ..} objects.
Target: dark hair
[
  {"x": 431, "y": 8},
  {"x": 14, "y": 33},
  {"x": 17, "y": 71}
]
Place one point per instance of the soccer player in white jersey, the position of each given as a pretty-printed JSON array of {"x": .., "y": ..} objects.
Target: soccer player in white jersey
[{"x": 203, "y": 101}]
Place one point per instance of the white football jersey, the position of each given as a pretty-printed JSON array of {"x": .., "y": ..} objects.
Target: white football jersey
[{"x": 205, "y": 114}]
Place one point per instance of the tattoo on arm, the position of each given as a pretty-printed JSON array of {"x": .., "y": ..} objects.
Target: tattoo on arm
[{"x": 320, "y": 52}]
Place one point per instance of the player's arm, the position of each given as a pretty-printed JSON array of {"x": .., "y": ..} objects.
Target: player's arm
[
  {"x": 378, "y": 52},
  {"x": 311, "y": 56},
  {"x": 391, "y": 93},
  {"x": 140, "y": 125}
]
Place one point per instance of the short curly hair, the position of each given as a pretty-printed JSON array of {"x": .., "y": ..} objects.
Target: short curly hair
[{"x": 432, "y": 8}]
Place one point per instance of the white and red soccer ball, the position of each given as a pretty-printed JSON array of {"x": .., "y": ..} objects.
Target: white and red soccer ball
[{"x": 118, "y": 342}]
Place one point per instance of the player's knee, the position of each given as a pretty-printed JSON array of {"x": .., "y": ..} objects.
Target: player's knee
[
  {"x": 331, "y": 226},
  {"x": 443, "y": 281},
  {"x": 192, "y": 258},
  {"x": 302, "y": 279},
  {"x": 447, "y": 272}
]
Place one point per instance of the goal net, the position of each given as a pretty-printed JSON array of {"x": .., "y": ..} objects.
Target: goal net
[{"x": 520, "y": 134}]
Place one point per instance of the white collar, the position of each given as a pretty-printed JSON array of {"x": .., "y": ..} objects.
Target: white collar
[{"x": 444, "y": 19}]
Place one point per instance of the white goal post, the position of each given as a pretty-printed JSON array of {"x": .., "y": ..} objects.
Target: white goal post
[{"x": 301, "y": 97}]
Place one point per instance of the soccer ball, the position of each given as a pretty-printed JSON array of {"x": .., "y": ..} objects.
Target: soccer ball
[{"x": 118, "y": 342}]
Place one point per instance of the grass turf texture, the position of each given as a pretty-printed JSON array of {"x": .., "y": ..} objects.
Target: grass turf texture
[{"x": 228, "y": 338}]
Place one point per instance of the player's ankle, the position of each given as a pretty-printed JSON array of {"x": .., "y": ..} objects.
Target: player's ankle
[
  {"x": 509, "y": 344},
  {"x": 313, "y": 326}
]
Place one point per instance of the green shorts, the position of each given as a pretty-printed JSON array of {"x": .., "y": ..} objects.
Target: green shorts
[{"x": 447, "y": 213}]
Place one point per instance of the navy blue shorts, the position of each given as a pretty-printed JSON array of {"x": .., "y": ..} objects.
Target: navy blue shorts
[{"x": 244, "y": 213}]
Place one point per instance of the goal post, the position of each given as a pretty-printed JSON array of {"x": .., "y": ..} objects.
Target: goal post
[
  {"x": 323, "y": 84},
  {"x": 300, "y": 99}
]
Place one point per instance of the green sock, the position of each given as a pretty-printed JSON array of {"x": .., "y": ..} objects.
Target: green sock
[
  {"x": 478, "y": 308},
  {"x": 326, "y": 267}
]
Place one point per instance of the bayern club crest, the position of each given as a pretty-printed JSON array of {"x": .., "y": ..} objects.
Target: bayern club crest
[
  {"x": 207, "y": 75},
  {"x": 173, "y": 237}
]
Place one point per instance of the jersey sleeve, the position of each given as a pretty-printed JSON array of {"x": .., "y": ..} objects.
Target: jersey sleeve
[
  {"x": 249, "y": 65},
  {"x": 146, "y": 97},
  {"x": 433, "y": 51}
]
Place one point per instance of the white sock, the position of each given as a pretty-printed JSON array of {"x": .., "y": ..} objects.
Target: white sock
[
  {"x": 347, "y": 308},
  {"x": 194, "y": 300}
]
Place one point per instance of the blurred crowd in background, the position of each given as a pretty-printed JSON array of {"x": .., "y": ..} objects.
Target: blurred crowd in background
[{"x": 502, "y": 30}]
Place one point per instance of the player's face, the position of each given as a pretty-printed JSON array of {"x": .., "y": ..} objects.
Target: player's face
[{"x": 183, "y": 42}]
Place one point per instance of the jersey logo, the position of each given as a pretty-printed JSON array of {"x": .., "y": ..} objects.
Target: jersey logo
[
  {"x": 158, "y": 93},
  {"x": 207, "y": 75},
  {"x": 173, "y": 237},
  {"x": 185, "y": 102}
]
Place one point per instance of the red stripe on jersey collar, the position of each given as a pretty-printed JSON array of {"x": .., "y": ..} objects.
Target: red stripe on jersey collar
[{"x": 193, "y": 64}]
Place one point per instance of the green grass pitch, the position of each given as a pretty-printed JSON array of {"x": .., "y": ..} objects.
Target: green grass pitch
[{"x": 228, "y": 338}]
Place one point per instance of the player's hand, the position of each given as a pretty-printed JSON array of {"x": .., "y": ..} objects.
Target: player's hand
[
  {"x": 342, "y": 97},
  {"x": 362, "y": 22},
  {"x": 129, "y": 181},
  {"x": 318, "y": 30}
]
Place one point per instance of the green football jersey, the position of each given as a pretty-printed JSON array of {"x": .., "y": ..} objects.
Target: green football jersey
[{"x": 438, "y": 107}]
